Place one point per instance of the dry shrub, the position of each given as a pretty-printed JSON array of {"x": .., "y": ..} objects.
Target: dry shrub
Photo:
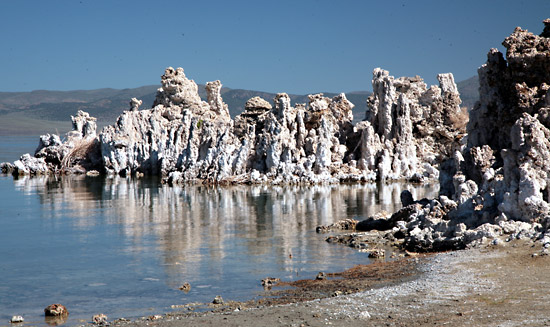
[
  {"x": 460, "y": 119},
  {"x": 82, "y": 148}
]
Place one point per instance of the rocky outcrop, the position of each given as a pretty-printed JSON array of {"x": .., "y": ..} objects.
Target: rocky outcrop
[
  {"x": 181, "y": 134},
  {"x": 78, "y": 153},
  {"x": 27, "y": 165},
  {"x": 187, "y": 140},
  {"x": 507, "y": 153},
  {"x": 496, "y": 185},
  {"x": 409, "y": 129},
  {"x": 408, "y": 132}
]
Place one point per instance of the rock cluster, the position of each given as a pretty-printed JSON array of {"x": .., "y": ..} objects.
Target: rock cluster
[
  {"x": 181, "y": 134},
  {"x": 496, "y": 184},
  {"x": 409, "y": 129},
  {"x": 99, "y": 319},
  {"x": 407, "y": 133},
  {"x": 78, "y": 153}
]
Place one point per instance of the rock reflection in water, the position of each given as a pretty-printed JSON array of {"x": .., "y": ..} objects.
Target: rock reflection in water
[
  {"x": 187, "y": 219},
  {"x": 222, "y": 240}
]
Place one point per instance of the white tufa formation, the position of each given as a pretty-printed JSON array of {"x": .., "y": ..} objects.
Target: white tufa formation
[{"x": 186, "y": 139}]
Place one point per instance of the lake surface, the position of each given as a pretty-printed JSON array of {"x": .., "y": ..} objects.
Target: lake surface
[{"x": 122, "y": 246}]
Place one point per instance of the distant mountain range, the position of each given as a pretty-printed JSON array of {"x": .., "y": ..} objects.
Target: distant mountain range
[
  {"x": 35, "y": 112},
  {"x": 107, "y": 104}
]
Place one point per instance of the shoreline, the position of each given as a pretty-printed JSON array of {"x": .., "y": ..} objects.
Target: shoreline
[{"x": 485, "y": 286}]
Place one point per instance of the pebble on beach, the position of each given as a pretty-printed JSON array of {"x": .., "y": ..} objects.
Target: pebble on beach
[
  {"x": 321, "y": 275},
  {"x": 218, "y": 300},
  {"x": 99, "y": 319}
]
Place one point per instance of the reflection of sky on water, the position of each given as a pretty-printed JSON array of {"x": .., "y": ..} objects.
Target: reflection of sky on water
[{"x": 133, "y": 241}]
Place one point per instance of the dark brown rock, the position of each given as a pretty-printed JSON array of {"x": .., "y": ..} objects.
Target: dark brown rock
[{"x": 56, "y": 310}]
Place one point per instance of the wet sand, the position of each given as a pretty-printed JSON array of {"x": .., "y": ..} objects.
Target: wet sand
[{"x": 502, "y": 285}]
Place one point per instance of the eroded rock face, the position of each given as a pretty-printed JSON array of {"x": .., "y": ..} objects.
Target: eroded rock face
[
  {"x": 508, "y": 144},
  {"x": 84, "y": 126},
  {"x": 213, "y": 93},
  {"x": 294, "y": 144},
  {"x": 177, "y": 90},
  {"x": 185, "y": 139},
  {"x": 27, "y": 165},
  {"x": 77, "y": 154},
  {"x": 409, "y": 129},
  {"x": 501, "y": 176},
  {"x": 497, "y": 185}
]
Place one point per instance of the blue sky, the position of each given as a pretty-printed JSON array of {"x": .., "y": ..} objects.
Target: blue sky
[{"x": 276, "y": 46}]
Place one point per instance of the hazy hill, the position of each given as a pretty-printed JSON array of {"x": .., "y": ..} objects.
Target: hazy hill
[
  {"x": 105, "y": 104},
  {"x": 469, "y": 91},
  {"x": 41, "y": 111},
  {"x": 35, "y": 112}
]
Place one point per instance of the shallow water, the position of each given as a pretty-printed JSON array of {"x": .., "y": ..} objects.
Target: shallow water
[
  {"x": 12, "y": 147},
  {"x": 122, "y": 247}
]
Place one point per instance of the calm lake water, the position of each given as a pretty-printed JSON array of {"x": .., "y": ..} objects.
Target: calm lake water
[{"x": 122, "y": 246}]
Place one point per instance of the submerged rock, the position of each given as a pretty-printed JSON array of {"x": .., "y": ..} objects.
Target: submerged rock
[{"x": 186, "y": 287}]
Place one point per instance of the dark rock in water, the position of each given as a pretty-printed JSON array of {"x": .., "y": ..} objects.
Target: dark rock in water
[
  {"x": 377, "y": 253},
  {"x": 56, "y": 310},
  {"x": 186, "y": 287},
  {"x": 406, "y": 198},
  {"x": 373, "y": 224},
  {"x": 268, "y": 282}
]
